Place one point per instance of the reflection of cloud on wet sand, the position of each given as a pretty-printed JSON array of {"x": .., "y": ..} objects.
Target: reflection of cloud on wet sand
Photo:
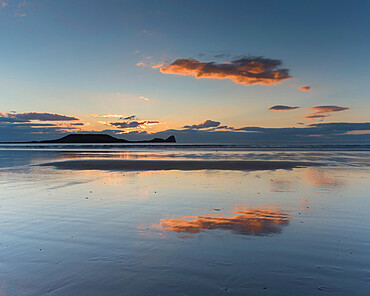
[
  {"x": 320, "y": 179},
  {"x": 280, "y": 185},
  {"x": 262, "y": 221}
]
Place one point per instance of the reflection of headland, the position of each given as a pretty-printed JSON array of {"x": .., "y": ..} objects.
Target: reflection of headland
[
  {"x": 185, "y": 165},
  {"x": 260, "y": 222}
]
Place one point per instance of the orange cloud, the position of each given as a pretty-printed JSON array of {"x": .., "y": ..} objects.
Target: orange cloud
[
  {"x": 158, "y": 65},
  {"x": 144, "y": 61},
  {"x": 247, "y": 221},
  {"x": 247, "y": 71},
  {"x": 3, "y": 3},
  {"x": 357, "y": 132},
  {"x": 305, "y": 88}
]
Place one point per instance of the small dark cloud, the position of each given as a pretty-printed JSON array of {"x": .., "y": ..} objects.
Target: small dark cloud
[
  {"x": 136, "y": 132},
  {"x": 224, "y": 127},
  {"x": 131, "y": 124},
  {"x": 221, "y": 55},
  {"x": 206, "y": 124},
  {"x": 126, "y": 134},
  {"x": 76, "y": 124},
  {"x": 315, "y": 116},
  {"x": 282, "y": 108},
  {"x": 305, "y": 88},
  {"x": 132, "y": 117}
]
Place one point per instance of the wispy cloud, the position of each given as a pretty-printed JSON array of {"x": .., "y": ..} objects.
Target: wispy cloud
[
  {"x": 143, "y": 98},
  {"x": 328, "y": 109},
  {"x": 305, "y": 88},
  {"x": 322, "y": 111},
  {"x": 315, "y": 116},
  {"x": 247, "y": 70},
  {"x": 146, "y": 32},
  {"x": 120, "y": 116},
  {"x": 282, "y": 108},
  {"x": 22, "y": 4},
  {"x": 18, "y": 9},
  {"x": 145, "y": 61},
  {"x": 158, "y": 65}
]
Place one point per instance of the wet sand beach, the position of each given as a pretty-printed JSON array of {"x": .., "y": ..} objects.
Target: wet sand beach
[{"x": 184, "y": 223}]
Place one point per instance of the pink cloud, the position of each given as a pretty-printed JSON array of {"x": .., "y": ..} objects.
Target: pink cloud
[
  {"x": 322, "y": 111},
  {"x": 328, "y": 109}
]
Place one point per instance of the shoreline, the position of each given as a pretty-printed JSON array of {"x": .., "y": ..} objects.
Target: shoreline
[{"x": 184, "y": 165}]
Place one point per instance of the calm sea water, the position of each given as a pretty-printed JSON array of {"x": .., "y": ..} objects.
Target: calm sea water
[{"x": 304, "y": 231}]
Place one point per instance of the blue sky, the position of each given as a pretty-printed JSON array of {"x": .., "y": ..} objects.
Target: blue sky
[{"x": 77, "y": 58}]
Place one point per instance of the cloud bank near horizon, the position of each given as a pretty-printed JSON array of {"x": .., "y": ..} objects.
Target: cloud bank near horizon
[{"x": 320, "y": 132}]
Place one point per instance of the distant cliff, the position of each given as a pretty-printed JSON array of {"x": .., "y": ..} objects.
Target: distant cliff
[{"x": 101, "y": 138}]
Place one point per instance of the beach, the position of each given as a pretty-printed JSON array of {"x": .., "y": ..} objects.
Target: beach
[{"x": 184, "y": 221}]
